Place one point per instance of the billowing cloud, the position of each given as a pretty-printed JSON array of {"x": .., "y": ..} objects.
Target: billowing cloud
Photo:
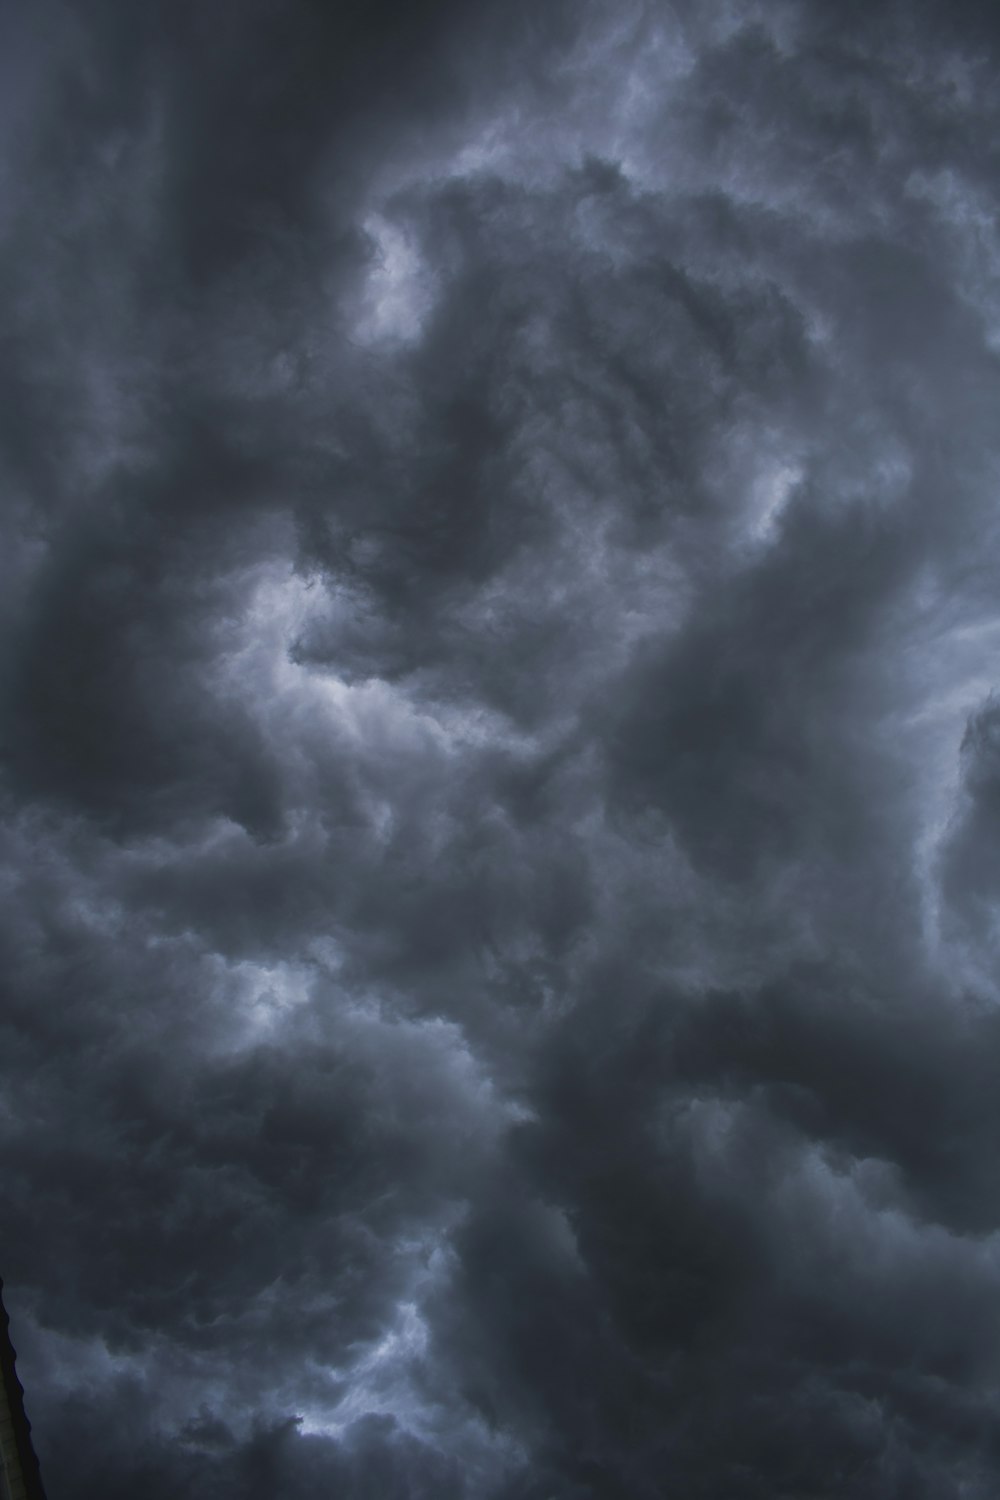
[{"x": 500, "y": 758}]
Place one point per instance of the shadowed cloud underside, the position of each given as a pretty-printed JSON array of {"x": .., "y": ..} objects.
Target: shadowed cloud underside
[{"x": 501, "y": 748}]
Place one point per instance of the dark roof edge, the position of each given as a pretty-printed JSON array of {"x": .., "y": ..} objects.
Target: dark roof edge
[{"x": 13, "y": 1395}]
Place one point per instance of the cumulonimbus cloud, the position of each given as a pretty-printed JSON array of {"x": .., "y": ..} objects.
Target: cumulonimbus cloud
[{"x": 500, "y": 749}]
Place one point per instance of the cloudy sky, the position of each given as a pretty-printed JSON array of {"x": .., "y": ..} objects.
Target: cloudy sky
[{"x": 499, "y": 612}]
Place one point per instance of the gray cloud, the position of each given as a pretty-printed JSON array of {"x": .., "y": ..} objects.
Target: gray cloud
[{"x": 499, "y": 749}]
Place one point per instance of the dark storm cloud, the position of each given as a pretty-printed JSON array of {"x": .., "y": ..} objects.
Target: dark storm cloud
[{"x": 500, "y": 749}]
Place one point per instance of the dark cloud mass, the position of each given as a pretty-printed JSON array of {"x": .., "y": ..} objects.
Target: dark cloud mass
[{"x": 501, "y": 748}]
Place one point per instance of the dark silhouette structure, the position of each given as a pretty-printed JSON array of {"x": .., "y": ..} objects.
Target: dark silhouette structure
[{"x": 19, "y": 1474}]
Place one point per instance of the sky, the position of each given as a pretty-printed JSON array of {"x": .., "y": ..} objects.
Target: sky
[{"x": 500, "y": 758}]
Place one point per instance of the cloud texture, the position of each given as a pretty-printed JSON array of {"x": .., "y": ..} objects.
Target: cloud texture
[{"x": 501, "y": 760}]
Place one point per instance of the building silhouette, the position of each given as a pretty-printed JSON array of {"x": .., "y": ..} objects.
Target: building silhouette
[{"x": 19, "y": 1475}]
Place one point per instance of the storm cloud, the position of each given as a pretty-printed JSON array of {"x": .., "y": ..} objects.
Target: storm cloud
[{"x": 501, "y": 748}]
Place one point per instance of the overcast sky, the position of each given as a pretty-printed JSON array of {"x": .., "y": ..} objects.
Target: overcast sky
[{"x": 499, "y": 621}]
